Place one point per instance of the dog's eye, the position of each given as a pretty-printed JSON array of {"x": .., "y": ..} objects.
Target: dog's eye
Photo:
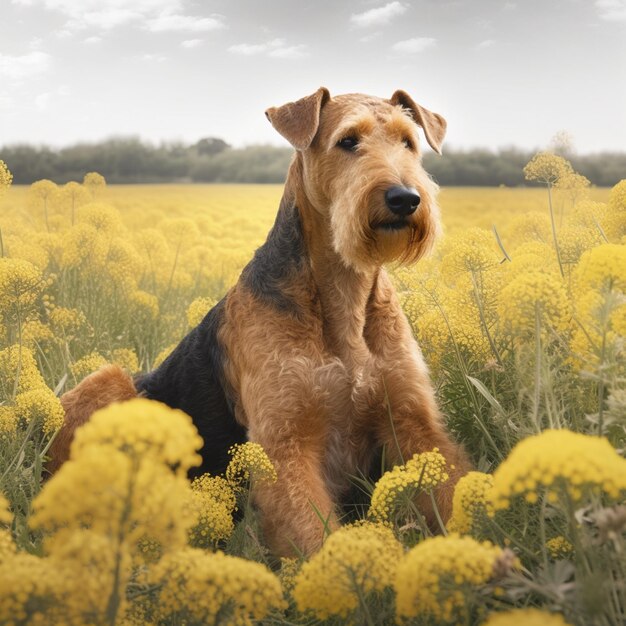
[
  {"x": 408, "y": 143},
  {"x": 348, "y": 143}
]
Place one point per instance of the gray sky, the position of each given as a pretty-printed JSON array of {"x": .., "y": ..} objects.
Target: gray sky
[{"x": 502, "y": 73}]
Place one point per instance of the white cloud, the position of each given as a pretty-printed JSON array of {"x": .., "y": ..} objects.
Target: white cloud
[
  {"x": 378, "y": 16},
  {"x": 178, "y": 22},
  {"x": 289, "y": 52},
  {"x": 155, "y": 15},
  {"x": 248, "y": 49},
  {"x": 153, "y": 58},
  {"x": 191, "y": 43},
  {"x": 92, "y": 40},
  {"x": 24, "y": 66},
  {"x": 486, "y": 43},
  {"x": 612, "y": 10},
  {"x": 275, "y": 48},
  {"x": 413, "y": 46}
]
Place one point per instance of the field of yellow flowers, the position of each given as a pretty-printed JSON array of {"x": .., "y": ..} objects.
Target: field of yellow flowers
[{"x": 521, "y": 314}]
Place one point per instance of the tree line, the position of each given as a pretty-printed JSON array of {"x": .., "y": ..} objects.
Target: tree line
[{"x": 130, "y": 160}]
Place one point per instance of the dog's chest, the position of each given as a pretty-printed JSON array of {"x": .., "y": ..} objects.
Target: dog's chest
[{"x": 354, "y": 403}]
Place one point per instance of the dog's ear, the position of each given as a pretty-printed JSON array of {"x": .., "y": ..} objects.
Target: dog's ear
[
  {"x": 433, "y": 124},
  {"x": 298, "y": 121}
]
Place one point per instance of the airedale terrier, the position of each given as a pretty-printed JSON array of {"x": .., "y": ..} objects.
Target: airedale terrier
[{"x": 310, "y": 354}]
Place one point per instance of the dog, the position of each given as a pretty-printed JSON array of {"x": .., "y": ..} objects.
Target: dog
[{"x": 310, "y": 354}]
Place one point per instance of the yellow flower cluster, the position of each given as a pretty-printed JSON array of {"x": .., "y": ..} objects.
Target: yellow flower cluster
[
  {"x": 86, "y": 365},
  {"x": 202, "y": 588},
  {"x": 434, "y": 577},
  {"x": 559, "y": 547},
  {"x": 142, "y": 429},
  {"x": 5, "y": 176},
  {"x": 525, "y": 617},
  {"x": 40, "y": 404},
  {"x": 471, "y": 502},
  {"x": 559, "y": 462},
  {"x": 21, "y": 284},
  {"x": 213, "y": 503},
  {"x": 249, "y": 464},
  {"x": 395, "y": 491},
  {"x": 198, "y": 309},
  {"x": 547, "y": 168},
  {"x": 354, "y": 561},
  {"x": 532, "y": 295}
]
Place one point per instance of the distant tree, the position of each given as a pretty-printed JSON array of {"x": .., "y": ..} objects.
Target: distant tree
[{"x": 210, "y": 145}]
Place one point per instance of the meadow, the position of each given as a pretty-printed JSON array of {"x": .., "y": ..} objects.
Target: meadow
[{"x": 521, "y": 315}]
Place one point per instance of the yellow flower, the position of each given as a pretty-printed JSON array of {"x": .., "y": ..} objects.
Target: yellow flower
[
  {"x": 8, "y": 423},
  {"x": 116, "y": 495},
  {"x": 559, "y": 547},
  {"x": 126, "y": 358},
  {"x": 525, "y": 617},
  {"x": 354, "y": 561},
  {"x": 7, "y": 545},
  {"x": 395, "y": 491},
  {"x": 198, "y": 309},
  {"x": 145, "y": 429},
  {"x": 5, "y": 515},
  {"x": 560, "y": 462},
  {"x": 547, "y": 168},
  {"x": 29, "y": 590},
  {"x": 20, "y": 285},
  {"x": 471, "y": 501},
  {"x": 531, "y": 294},
  {"x": 40, "y": 404},
  {"x": 197, "y": 587},
  {"x": 603, "y": 267},
  {"x": 213, "y": 503},
  {"x": 87, "y": 365},
  {"x": 5, "y": 177},
  {"x": 249, "y": 463},
  {"x": 18, "y": 364},
  {"x": 95, "y": 183},
  {"x": 434, "y": 578}
]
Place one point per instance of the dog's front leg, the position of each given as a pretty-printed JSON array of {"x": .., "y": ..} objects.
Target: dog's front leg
[
  {"x": 410, "y": 421},
  {"x": 287, "y": 417}
]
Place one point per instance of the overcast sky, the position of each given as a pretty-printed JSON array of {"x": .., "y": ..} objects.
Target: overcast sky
[{"x": 502, "y": 73}]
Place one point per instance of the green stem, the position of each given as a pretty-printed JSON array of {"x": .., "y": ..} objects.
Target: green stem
[{"x": 556, "y": 243}]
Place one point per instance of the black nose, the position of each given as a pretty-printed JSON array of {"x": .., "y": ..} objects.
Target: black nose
[{"x": 402, "y": 200}]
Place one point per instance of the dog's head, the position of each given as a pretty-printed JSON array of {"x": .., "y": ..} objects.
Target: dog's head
[{"x": 362, "y": 170}]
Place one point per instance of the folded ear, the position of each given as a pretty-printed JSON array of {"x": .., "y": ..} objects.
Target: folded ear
[
  {"x": 298, "y": 121},
  {"x": 434, "y": 125}
]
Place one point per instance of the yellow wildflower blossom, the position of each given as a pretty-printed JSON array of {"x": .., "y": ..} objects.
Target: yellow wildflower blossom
[
  {"x": 144, "y": 429},
  {"x": 5, "y": 515},
  {"x": 547, "y": 168},
  {"x": 20, "y": 285},
  {"x": 526, "y": 617},
  {"x": 434, "y": 577},
  {"x": 40, "y": 404},
  {"x": 126, "y": 358},
  {"x": 197, "y": 587},
  {"x": 8, "y": 422},
  {"x": 559, "y": 547},
  {"x": 18, "y": 362},
  {"x": 560, "y": 462},
  {"x": 87, "y": 365},
  {"x": 471, "y": 501},
  {"x": 198, "y": 309},
  {"x": 394, "y": 492},
  {"x": 7, "y": 545},
  {"x": 530, "y": 294},
  {"x": 30, "y": 590},
  {"x": 115, "y": 495},
  {"x": 95, "y": 183},
  {"x": 354, "y": 561},
  {"x": 213, "y": 503},
  {"x": 249, "y": 463},
  {"x": 5, "y": 177}
]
